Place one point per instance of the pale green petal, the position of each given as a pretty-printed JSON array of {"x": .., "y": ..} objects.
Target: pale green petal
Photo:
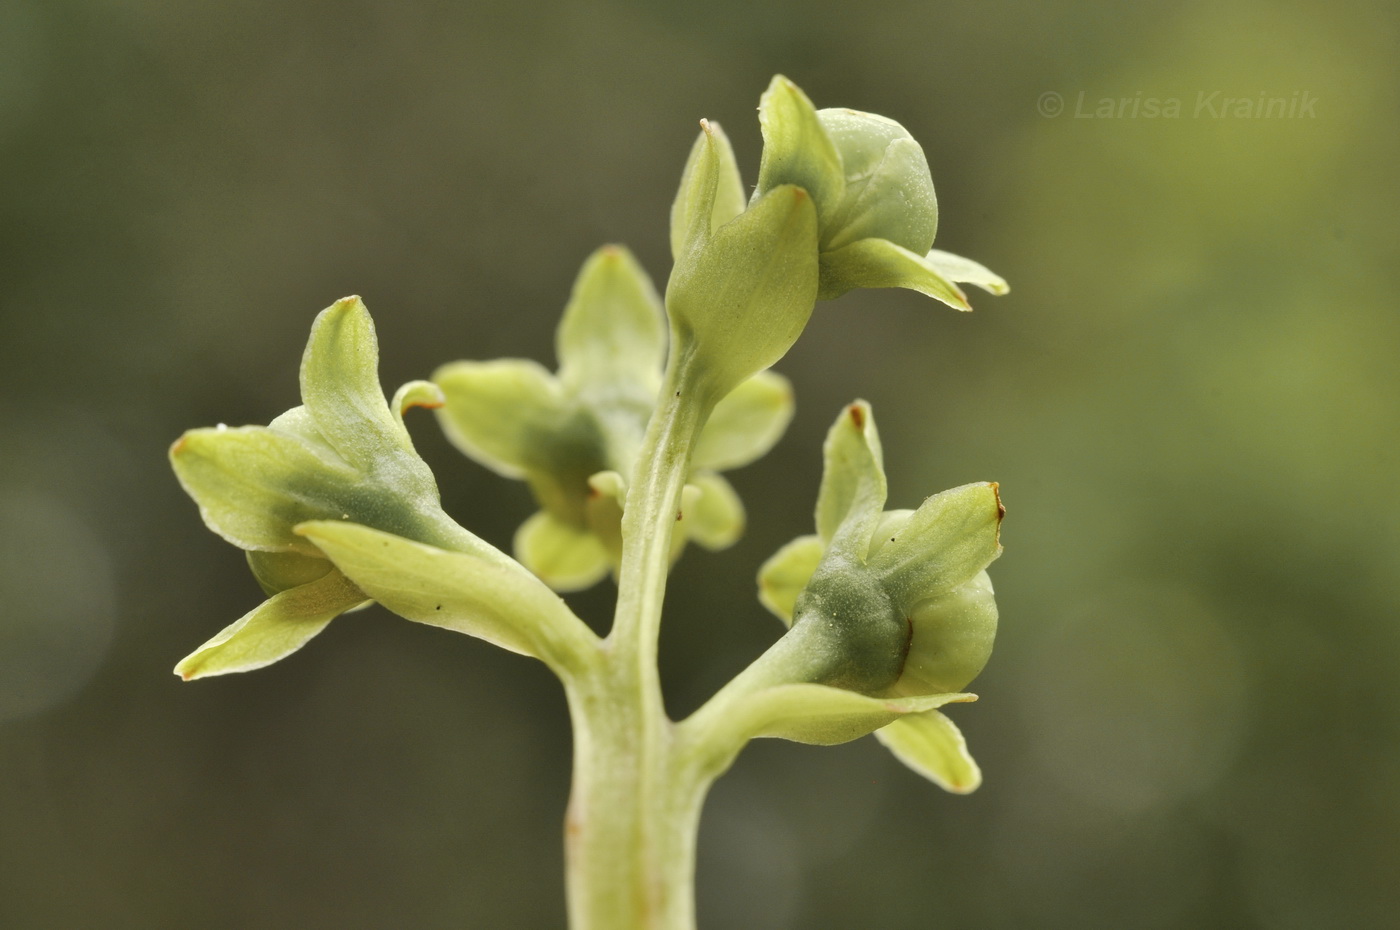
[
  {"x": 746, "y": 424},
  {"x": 507, "y": 414},
  {"x": 680, "y": 532},
  {"x": 786, "y": 573},
  {"x": 276, "y": 572},
  {"x": 797, "y": 149},
  {"x": 881, "y": 263},
  {"x": 275, "y": 629},
  {"x": 823, "y": 715},
  {"x": 852, "y": 494},
  {"x": 715, "y": 517},
  {"x": 966, "y": 271},
  {"x": 887, "y": 529},
  {"x": 603, "y": 511},
  {"x": 612, "y": 336},
  {"x": 951, "y": 638},
  {"x": 501, "y": 604},
  {"x": 711, "y": 189},
  {"x": 738, "y": 303},
  {"x": 297, "y": 422},
  {"x": 950, "y": 538},
  {"x": 340, "y": 386},
  {"x": 565, "y": 557},
  {"x": 423, "y": 394},
  {"x": 889, "y": 191},
  {"x": 930, "y": 744},
  {"x": 253, "y": 484}
]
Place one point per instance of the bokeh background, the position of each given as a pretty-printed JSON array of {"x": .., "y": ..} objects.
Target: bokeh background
[{"x": 1189, "y": 398}]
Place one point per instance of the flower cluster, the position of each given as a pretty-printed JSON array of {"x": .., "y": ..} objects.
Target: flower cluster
[{"x": 574, "y": 435}]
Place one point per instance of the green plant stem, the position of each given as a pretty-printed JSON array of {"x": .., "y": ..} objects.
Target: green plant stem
[
  {"x": 634, "y": 813},
  {"x": 634, "y": 808}
]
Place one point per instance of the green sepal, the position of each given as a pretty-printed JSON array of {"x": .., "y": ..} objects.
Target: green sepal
[
  {"x": 852, "y": 493},
  {"x": 881, "y": 263},
  {"x": 889, "y": 191},
  {"x": 502, "y": 412},
  {"x": 564, "y": 556},
  {"x": 612, "y": 337},
  {"x": 343, "y": 454},
  {"x": 340, "y": 390},
  {"x": 951, "y": 638},
  {"x": 951, "y": 537},
  {"x": 254, "y": 483},
  {"x": 782, "y": 578},
  {"x": 931, "y": 744},
  {"x": 966, "y": 271},
  {"x": 797, "y": 149},
  {"x": 738, "y": 301},
  {"x": 500, "y": 603},
  {"x": 714, "y": 517},
  {"x": 274, "y": 629},
  {"x": 825, "y": 716},
  {"x": 711, "y": 192},
  {"x": 746, "y": 423}
]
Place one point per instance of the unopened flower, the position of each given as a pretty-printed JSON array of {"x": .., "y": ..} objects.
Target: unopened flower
[{"x": 892, "y": 604}]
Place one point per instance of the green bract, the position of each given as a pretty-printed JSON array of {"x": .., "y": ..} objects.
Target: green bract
[
  {"x": 876, "y": 209},
  {"x": 343, "y": 456},
  {"x": 891, "y": 603},
  {"x": 574, "y": 436},
  {"x": 744, "y": 281}
]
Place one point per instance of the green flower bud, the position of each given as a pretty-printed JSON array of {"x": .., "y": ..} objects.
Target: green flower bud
[
  {"x": 890, "y": 604},
  {"x": 876, "y": 208},
  {"x": 889, "y": 190},
  {"x": 574, "y": 437}
]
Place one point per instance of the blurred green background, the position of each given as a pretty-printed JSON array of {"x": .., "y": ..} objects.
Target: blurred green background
[{"x": 1189, "y": 398}]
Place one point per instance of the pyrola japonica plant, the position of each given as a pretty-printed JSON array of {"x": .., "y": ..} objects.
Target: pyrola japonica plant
[{"x": 889, "y": 613}]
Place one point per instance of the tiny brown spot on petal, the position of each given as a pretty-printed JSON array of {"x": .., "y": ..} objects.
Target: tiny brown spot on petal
[
  {"x": 857, "y": 415},
  {"x": 679, "y": 516}
]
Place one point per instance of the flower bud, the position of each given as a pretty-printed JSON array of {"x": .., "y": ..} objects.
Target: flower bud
[
  {"x": 899, "y": 601},
  {"x": 876, "y": 208}
]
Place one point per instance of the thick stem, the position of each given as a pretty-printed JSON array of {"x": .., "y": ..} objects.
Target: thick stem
[
  {"x": 634, "y": 813},
  {"x": 635, "y": 804}
]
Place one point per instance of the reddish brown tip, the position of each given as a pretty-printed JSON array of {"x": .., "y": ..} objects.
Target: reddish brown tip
[{"x": 857, "y": 415}]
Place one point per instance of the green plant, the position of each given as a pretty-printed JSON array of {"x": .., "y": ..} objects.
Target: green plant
[{"x": 890, "y": 613}]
